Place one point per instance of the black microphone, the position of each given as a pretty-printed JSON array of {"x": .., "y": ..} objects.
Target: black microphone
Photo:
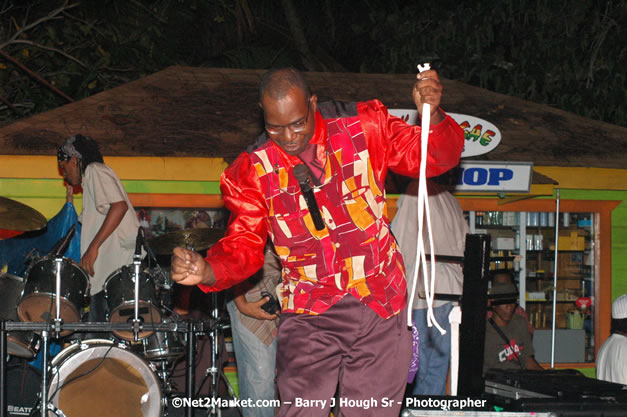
[
  {"x": 301, "y": 172},
  {"x": 138, "y": 242},
  {"x": 61, "y": 246}
]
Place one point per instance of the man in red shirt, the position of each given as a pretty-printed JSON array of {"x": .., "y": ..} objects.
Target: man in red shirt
[{"x": 343, "y": 276}]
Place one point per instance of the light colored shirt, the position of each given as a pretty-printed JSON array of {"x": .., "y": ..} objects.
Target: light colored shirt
[
  {"x": 101, "y": 188},
  {"x": 449, "y": 229},
  {"x": 266, "y": 279},
  {"x": 612, "y": 360}
]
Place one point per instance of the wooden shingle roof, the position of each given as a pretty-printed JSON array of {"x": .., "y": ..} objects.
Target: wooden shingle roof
[{"x": 213, "y": 112}]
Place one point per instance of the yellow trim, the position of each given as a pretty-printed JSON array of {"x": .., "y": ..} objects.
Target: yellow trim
[
  {"x": 126, "y": 167},
  {"x": 536, "y": 190},
  {"x": 49, "y": 207},
  {"x": 210, "y": 169},
  {"x": 586, "y": 178}
]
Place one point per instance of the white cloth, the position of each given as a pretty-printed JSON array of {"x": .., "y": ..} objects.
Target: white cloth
[
  {"x": 612, "y": 360},
  {"x": 449, "y": 229},
  {"x": 619, "y": 307},
  {"x": 101, "y": 187}
]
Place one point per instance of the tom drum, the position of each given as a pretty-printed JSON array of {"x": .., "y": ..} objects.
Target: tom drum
[
  {"x": 120, "y": 293},
  {"x": 38, "y": 300},
  {"x": 21, "y": 344}
]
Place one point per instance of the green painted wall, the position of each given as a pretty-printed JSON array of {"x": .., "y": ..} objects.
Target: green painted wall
[
  {"x": 619, "y": 233},
  {"x": 42, "y": 188},
  {"x": 48, "y": 195},
  {"x": 619, "y": 241}
]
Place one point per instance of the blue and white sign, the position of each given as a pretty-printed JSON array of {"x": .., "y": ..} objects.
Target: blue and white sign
[
  {"x": 481, "y": 136},
  {"x": 493, "y": 176}
]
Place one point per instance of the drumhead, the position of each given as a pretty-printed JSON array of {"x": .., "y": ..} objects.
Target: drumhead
[
  {"x": 23, "y": 344},
  {"x": 38, "y": 300},
  {"x": 97, "y": 378},
  {"x": 119, "y": 291}
]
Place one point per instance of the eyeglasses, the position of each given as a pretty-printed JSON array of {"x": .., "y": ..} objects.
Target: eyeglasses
[{"x": 295, "y": 127}]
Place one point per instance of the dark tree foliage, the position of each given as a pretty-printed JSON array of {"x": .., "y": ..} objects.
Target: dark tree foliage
[{"x": 568, "y": 54}]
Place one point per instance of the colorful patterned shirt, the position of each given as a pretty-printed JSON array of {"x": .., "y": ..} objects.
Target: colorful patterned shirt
[{"x": 355, "y": 253}]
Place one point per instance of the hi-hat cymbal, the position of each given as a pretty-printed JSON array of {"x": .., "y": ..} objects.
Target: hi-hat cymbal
[
  {"x": 19, "y": 217},
  {"x": 194, "y": 239}
]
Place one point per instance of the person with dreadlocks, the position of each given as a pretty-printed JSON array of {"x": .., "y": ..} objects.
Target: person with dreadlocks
[{"x": 109, "y": 223}]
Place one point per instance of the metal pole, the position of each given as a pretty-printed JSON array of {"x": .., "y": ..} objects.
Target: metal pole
[
  {"x": 44, "y": 375},
  {"x": 522, "y": 245},
  {"x": 557, "y": 229},
  {"x": 3, "y": 371},
  {"x": 58, "y": 262},
  {"x": 215, "y": 410},
  {"x": 190, "y": 374},
  {"x": 136, "y": 271}
]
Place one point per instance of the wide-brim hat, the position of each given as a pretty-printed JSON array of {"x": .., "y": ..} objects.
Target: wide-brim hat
[{"x": 503, "y": 293}]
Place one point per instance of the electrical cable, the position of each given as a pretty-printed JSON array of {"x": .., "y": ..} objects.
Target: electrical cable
[{"x": 423, "y": 209}]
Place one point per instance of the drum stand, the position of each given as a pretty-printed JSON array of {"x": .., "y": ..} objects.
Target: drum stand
[
  {"x": 58, "y": 322},
  {"x": 216, "y": 364}
]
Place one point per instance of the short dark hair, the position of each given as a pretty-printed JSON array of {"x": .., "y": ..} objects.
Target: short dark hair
[{"x": 277, "y": 83}]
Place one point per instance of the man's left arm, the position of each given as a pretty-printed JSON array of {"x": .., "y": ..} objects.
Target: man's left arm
[
  {"x": 253, "y": 308},
  {"x": 394, "y": 144},
  {"x": 112, "y": 220}
]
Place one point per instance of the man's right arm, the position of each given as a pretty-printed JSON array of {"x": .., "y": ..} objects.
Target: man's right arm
[
  {"x": 240, "y": 253},
  {"x": 532, "y": 364},
  {"x": 189, "y": 268}
]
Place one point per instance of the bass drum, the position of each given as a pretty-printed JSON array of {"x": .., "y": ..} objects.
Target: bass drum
[
  {"x": 23, "y": 387},
  {"x": 21, "y": 344},
  {"x": 99, "y": 379}
]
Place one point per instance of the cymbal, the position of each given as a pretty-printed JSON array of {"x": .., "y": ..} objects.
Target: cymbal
[
  {"x": 194, "y": 239},
  {"x": 19, "y": 217}
]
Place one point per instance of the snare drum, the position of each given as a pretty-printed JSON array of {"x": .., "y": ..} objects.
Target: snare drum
[
  {"x": 20, "y": 344},
  {"x": 120, "y": 294},
  {"x": 164, "y": 346},
  {"x": 97, "y": 378},
  {"x": 38, "y": 301}
]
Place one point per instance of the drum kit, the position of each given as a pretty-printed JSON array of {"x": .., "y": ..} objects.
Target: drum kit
[{"x": 127, "y": 371}]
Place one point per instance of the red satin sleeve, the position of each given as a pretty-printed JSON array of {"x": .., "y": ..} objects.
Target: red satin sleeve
[
  {"x": 394, "y": 144},
  {"x": 240, "y": 253}
]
